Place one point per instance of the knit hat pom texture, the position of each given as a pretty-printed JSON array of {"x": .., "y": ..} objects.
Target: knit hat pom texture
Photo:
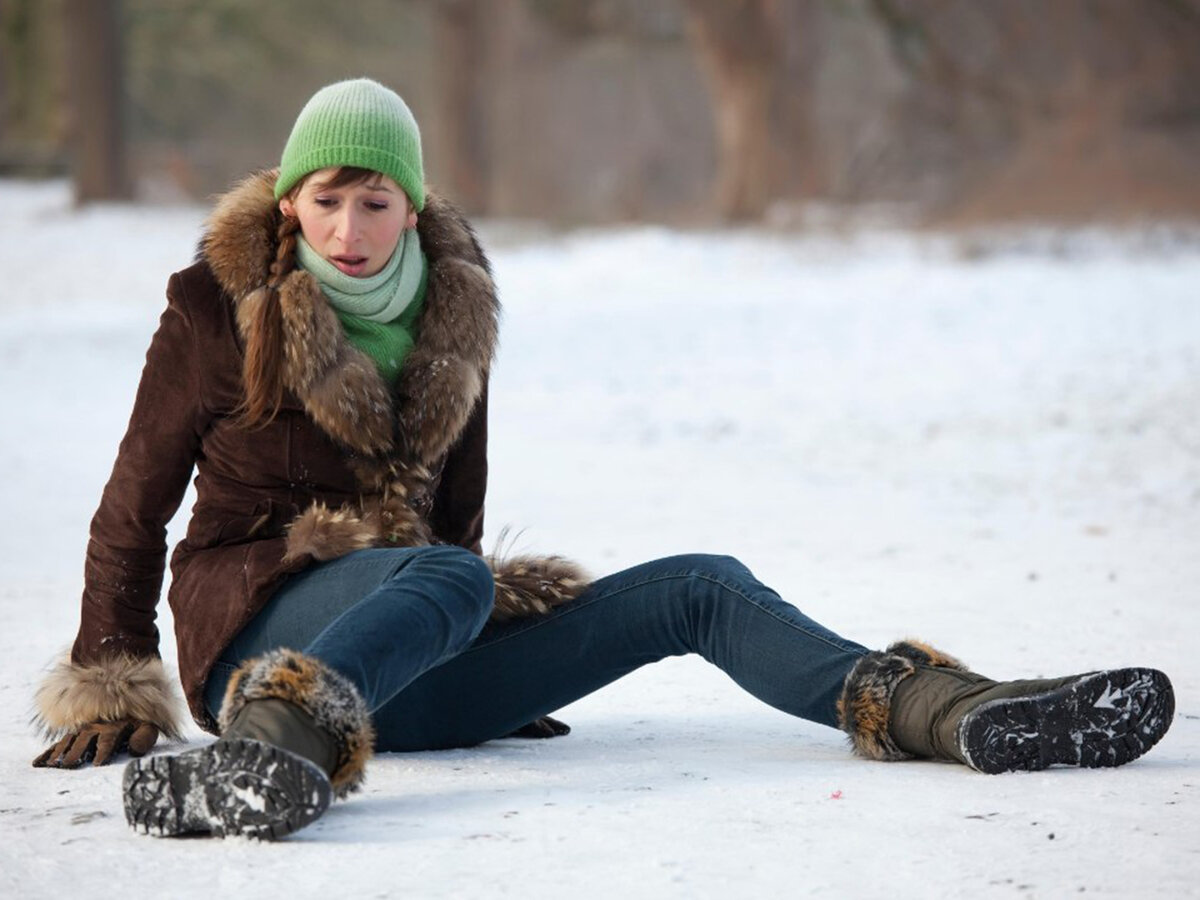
[{"x": 355, "y": 123}]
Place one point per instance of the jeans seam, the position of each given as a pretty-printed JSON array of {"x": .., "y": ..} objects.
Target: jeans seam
[
  {"x": 664, "y": 576},
  {"x": 770, "y": 612}
]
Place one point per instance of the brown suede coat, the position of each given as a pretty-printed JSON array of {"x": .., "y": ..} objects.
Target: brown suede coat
[{"x": 349, "y": 462}]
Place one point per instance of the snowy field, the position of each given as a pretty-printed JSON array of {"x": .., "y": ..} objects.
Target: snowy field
[{"x": 993, "y": 447}]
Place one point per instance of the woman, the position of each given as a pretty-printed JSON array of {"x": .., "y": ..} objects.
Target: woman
[{"x": 323, "y": 367}]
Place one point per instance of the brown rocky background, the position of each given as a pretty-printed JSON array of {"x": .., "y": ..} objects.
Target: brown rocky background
[{"x": 951, "y": 111}]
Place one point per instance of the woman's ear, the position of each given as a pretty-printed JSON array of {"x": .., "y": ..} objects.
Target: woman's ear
[
  {"x": 412, "y": 218},
  {"x": 287, "y": 207}
]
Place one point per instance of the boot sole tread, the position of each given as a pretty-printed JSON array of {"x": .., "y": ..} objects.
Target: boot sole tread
[
  {"x": 1100, "y": 720},
  {"x": 232, "y": 787}
]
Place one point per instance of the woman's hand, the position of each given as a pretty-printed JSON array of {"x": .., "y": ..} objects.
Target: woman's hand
[
  {"x": 545, "y": 727},
  {"x": 98, "y": 742}
]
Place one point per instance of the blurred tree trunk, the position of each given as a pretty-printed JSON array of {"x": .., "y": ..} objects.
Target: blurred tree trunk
[
  {"x": 8, "y": 49},
  {"x": 31, "y": 87},
  {"x": 461, "y": 46},
  {"x": 94, "y": 86},
  {"x": 737, "y": 50}
]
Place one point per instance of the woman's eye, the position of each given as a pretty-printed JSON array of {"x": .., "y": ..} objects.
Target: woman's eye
[
  {"x": 324, "y": 202},
  {"x": 376, "y": 205}
]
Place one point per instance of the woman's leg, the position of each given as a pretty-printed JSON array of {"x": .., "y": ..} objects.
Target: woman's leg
[
  {"x": 710, "y": 605},
  {"x": 331, "y": 646},
  {"x": 380, "y": 617}
]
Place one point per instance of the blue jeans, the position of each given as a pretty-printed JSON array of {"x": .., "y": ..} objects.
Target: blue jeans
[{"x": 410, "y": 628}]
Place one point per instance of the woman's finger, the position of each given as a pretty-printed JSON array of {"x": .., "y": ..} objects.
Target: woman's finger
[{"x": 143, "y": 738}]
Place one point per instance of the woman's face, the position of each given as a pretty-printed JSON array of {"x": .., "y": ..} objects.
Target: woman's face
[{"x": 357, "y": 226}]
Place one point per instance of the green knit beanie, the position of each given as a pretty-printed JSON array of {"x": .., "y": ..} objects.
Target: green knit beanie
[{"x": 355, "y": 123}]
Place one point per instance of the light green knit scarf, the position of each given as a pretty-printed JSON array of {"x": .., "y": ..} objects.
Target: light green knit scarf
[{"x": 378, "y": 312}]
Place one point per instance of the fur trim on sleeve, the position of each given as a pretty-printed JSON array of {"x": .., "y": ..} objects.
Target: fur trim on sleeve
[
  {"x": 119, "y": 687},
  {"x": 534, "y": 585},
  {"x": 324, "y": 533}
]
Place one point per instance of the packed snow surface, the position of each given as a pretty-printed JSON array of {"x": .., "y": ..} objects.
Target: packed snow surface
[{"x": 993, "y": 445}]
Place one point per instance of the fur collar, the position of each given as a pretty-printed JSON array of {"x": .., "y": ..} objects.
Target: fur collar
[{"x": 339, "y": 385}]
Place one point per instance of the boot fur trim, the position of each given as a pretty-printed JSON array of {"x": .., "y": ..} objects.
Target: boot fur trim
[
  {"x": 329, "y": 697},
  {"x": 924, "y": 655},
  {"x": 119, "y": 687},
  {"x": 865, "y": 707}
]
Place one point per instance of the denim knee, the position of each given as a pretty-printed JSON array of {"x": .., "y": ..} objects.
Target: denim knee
[
  {"x": 469, "y": 573},
  {"x": 713, "y": 565}
]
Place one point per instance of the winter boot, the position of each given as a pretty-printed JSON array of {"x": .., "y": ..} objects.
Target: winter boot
[
  {"x": 294, "y": 734},
  {"x": 912, "y": 700}
]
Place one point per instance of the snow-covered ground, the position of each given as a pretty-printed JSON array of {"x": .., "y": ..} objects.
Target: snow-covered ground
[{"x": 992, "y": 445}]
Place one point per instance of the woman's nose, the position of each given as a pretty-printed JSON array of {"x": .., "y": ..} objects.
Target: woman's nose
[{"x": 347, "y": 225}]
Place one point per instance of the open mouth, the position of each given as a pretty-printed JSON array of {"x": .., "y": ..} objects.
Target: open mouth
[{"x": 350, "y": 265}]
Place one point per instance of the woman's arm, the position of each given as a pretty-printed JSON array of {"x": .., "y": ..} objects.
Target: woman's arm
[{"x": 113, "y": 674}]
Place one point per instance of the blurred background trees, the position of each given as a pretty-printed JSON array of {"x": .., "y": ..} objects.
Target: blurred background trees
[{"x": 666, "y": 110}]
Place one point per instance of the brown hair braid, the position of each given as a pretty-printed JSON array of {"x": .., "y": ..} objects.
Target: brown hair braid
[{"x": 262, "y": 369}]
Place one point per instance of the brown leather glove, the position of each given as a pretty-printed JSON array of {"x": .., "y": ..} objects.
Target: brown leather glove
[
  {"x": 98, "y": 742},
  {"x": 545, "y": 727}
]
